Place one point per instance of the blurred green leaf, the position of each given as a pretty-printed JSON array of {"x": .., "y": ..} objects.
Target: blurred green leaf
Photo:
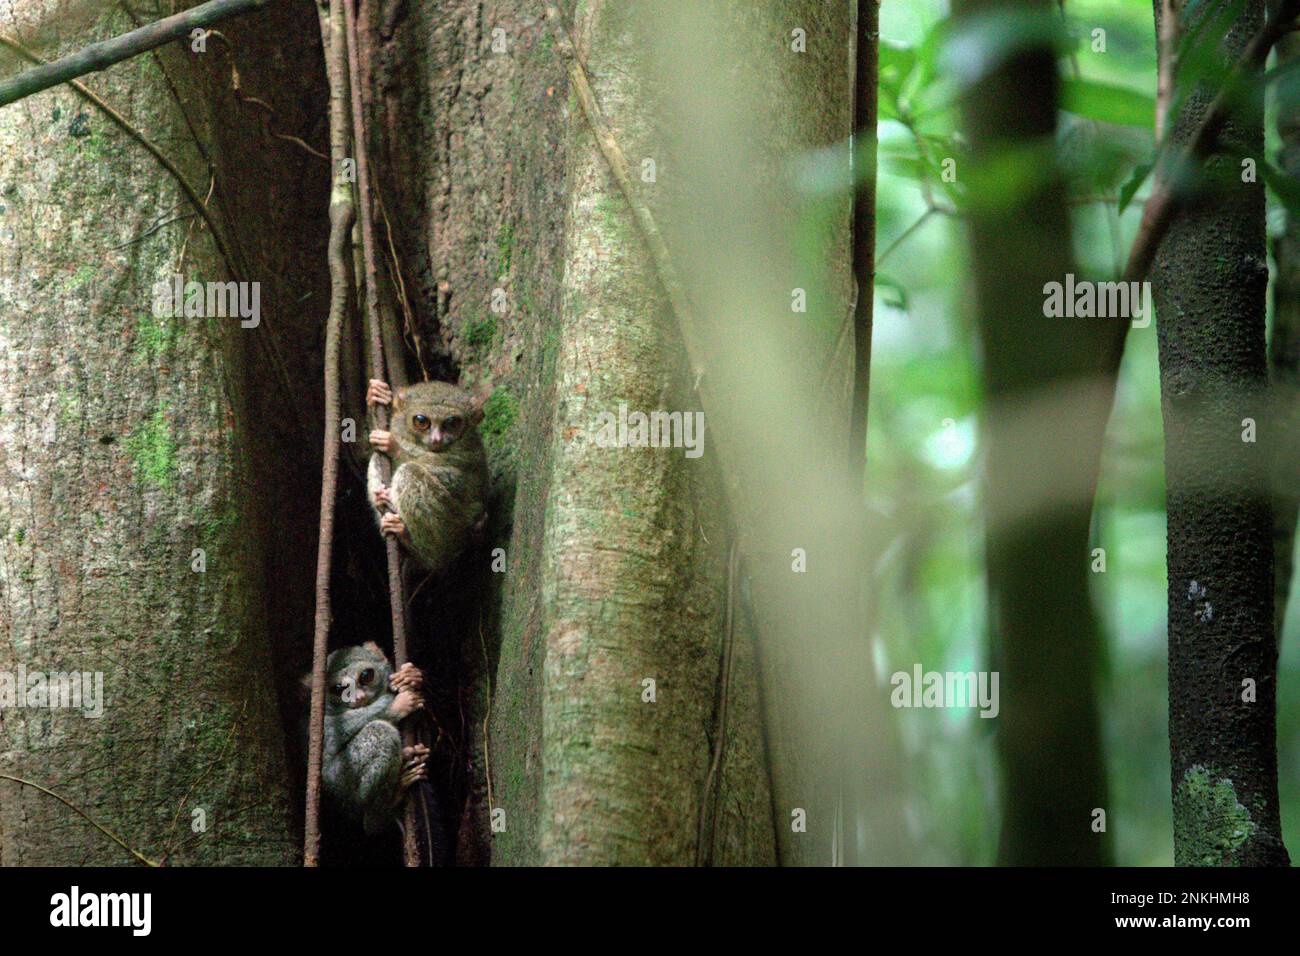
[
  {"x": 1005, "y": 176},
  {"x": 1109, "y": 103},
  {"x": 891, "y": 292},
  {"x": 896, "y": 64},
  {"x": 1284, "y": 187},
  {"x": 1130, "y": 188},
  {"x": 909, "y": 167}
]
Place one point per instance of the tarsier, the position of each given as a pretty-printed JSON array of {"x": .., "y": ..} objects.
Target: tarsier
[
  {"x": 364, "y": 767},
  {"x": 439, "y": 484}
]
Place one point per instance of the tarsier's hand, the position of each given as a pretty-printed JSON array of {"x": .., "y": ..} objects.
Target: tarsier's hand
[
  {"x": 408, "y": 675},
  {"x": 406, "y": 703},
  {"x": 383, "y": 441},
  {"x": 382, "y": 497},
  {"x": 378, "y": 393},
  {"x": 390, "y": 523}
]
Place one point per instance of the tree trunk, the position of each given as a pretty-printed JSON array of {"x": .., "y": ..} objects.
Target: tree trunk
[
  {"x": 1209, "y": 279},
  {"x": 1284, "y": 351},
  {"x": 1049, "y": 385},
  {"x": 617, "y": 558},
  {"x": 580, "y": 695},
  {"x": 127, "y": 448}
]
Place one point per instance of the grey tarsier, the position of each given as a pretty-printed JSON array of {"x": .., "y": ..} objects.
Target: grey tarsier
[
  {"x": 364, "y": 767},
  {"x": 439, "y": 483}
]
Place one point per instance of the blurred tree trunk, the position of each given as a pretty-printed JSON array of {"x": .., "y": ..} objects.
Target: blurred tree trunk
[
  {"x": 1049, "y": 385},
  {"x": 1284, "y": 352},
  {"x": 125, "y": 447},
  {"x": 1209, "y": 280}
]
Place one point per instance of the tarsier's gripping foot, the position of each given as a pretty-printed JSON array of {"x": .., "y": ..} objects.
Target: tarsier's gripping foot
[
  {"x": 413, "y": 767},
  {"x": 384, "y": 497},
  {"x": 378, "y": 393}
]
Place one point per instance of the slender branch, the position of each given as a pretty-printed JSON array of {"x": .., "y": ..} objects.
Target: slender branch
[
  {"x": 224, "y": 249},
  {"x": 705, "y": 837},
  {"x": 864, "y": 230},
  {"x": 618, "y": 167},
  {"x": 487, "y": 717},
  {"x": 395, "y": 268},
  {"x": 906, "y": 234},
  {"x": 101, "y": 55},
  {"x": 1167, "y": 200},
  {"x": 140, "y": 857},
  {"x": 1168, "y": 46},
  {"x": 841, "y": 340},
  {"x": 342, "y": 214},
  {"x": 396, "y": 597}
]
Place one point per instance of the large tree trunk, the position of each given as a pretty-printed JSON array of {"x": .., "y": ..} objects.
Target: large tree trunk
[
  {"x": 126, "y": 446},
  {"x": 617, "y": 558},
  {"x": 1209, "y": 280},
  {"x": 523, "y": 271},
  {"x": 1049, "y": 384}
]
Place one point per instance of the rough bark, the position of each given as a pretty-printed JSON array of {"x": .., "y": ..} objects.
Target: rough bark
[
  {"x": 127, "y": 445},
  {"x": 1284, "y": 349},
  {"x": 1049, "y": 384},
  {"x": 1209, "y": 280},
  {"x": 616, "y": 557}
]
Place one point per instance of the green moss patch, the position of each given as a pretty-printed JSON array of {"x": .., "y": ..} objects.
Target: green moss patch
[{"x": 1210, "y": 824}]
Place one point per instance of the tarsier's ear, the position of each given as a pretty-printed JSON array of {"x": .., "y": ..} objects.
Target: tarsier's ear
[
  {"x": 304, "y": 687},
  {"x": 399, "y": 399},
  {"x": 477, "y": 400},
  {"x": 375, "y": 649}
]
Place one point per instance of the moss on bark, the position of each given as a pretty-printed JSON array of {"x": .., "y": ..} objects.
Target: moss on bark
[{"x": 125, "y": 450}]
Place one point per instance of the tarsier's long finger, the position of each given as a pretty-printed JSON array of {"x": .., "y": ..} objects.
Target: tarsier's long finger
[
  {"x": 392, "y": 524},
  {"x": 408, "y": 702},
  {"x": 378, "y": 393},
  {"x": 408, "y": 675}
]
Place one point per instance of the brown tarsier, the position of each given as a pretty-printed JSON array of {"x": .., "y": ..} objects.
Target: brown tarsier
[
  {"x": 439, "y": 484},
  {"x": 364, "y": 767}
]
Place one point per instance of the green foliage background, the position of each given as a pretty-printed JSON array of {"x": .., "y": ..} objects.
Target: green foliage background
[{"x": 924, "y": 451}]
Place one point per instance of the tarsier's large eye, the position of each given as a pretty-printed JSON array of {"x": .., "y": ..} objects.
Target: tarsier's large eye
[
  {"x": 421, "y": 422},
  {"x": 452, "y": 425},
  {"x": 338, "y": 689},
  {"x": 367, "y": 676}
]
